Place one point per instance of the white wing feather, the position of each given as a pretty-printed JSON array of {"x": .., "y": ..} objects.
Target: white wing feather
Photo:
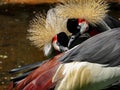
[{"x": 85, "y": 76}]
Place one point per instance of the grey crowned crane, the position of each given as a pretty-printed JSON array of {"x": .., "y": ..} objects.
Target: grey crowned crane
[{"x": 91, "y": 65}]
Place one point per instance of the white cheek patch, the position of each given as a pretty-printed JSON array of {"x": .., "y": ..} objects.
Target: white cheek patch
[
  {"x": 84, "y": 27},
  {"x": 55, "y": 45}
]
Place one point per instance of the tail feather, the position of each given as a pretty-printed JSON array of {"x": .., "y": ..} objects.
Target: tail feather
[{"x": 44, "y": 69}]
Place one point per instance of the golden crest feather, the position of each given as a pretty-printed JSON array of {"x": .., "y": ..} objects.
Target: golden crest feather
[
  {"x": 90, "y": 10},
  {"x": 44, "y": 27},
  {"x": 39, "y": 34}
]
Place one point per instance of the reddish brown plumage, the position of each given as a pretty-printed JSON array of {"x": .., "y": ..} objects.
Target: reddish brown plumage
[
  {"x": 10, "y": 87},
  {"x": 37, "y": 78},
  {"x": 43, "y": 81}
]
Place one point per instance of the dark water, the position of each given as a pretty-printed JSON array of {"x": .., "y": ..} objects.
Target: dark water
[{"x": 15, "y": 49}]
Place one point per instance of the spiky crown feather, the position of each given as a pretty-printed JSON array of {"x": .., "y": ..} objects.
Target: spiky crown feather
[
  {"x": 38, "y": 33},
  {"x": 42, "y": 29},
  {"x": 90, "y": 10}
]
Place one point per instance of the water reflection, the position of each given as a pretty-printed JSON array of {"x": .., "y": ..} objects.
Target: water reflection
[{"x": 15, "y": 49}]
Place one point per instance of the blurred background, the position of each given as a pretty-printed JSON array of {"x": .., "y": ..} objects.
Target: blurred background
[{"x": 15, "y": 48}]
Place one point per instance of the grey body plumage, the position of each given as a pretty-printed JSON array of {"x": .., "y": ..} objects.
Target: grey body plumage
[{"x": 103, "y": 49}]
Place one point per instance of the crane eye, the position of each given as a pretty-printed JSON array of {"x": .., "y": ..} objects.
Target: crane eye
[{"x": 79, "y": 27}]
